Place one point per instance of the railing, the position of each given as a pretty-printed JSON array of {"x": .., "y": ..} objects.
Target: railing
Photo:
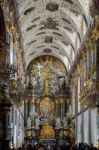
[{"x": 89, "y": 93}]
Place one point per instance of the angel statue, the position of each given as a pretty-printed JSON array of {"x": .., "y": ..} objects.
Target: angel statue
[
  {"x": 29, "y": 122},
  {"x": 65, "y": 122},
  {"x": 58, "y": 123},
  {"x": 37, "y": 122}
]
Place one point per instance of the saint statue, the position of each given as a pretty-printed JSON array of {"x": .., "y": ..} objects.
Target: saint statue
[
  {"x": 29, "y": 122},
  {"x": 58, "y": 123},
  {"x": 65, "y": 122},
  {"x": 37, "y": 122}
]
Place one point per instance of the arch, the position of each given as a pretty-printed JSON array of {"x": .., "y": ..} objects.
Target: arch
[
  {"x": 64, "y": 59},
  {"x": 31, "y": 62}
]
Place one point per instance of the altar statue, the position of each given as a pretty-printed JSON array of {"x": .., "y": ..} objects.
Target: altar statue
[
  {"x": 37, "y": 122},
  {"x": 65, "y": 122},
  {"x": 61, "y": 133},
  {"x": 58, "y": 123},
  {"x": 29, "y": 122},
  {"x": 47, "y": 131},
  {"x": 46, "y": 86}
]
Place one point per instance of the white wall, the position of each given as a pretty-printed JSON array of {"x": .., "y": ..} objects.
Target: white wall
[
  {"x": 94, "y": 129},
  {"x": 86, "y": 127},
  {"x": 90, "y": 127},
  {"x": 79, "y": 129}
]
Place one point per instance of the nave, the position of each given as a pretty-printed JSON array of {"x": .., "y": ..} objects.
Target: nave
[{"x": 49, "y": 74}]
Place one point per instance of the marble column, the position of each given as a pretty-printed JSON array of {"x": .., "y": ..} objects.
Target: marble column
[
  {"x": 29, "y": 108},
  {"x": 25, "y": 113}
]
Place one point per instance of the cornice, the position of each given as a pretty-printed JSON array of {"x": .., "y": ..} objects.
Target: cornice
[{"x": 81, "y": 50}]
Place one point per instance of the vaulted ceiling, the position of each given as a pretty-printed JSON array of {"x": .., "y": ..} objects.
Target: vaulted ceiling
[{"x": 53, "y": 27}]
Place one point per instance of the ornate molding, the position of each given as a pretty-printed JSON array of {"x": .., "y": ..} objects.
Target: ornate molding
[{"x": 88, "y": 95}]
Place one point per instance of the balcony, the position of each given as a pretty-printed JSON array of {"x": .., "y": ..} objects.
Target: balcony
[{"x": 90, "y": 93}]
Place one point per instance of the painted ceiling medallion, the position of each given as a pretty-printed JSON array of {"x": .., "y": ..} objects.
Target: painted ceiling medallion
[
  {"x": 67, "y": 28},
  {"x": 48, "y": 39},
  {"x": 32, "y": 53},
  {"x": 35, "y": 19},
  {"x": 27, "y": 11},
  {"x": 52, "y": 6},
  {"x": 41, "y": 46},
  {"x": 69, "y": 1},
  {"x": 74, "y": 11},
  {"x": 65, "y": 43},
  {"x": 32, "y": 42},
  {"x": 47, "y": 50},
  {"x": 55, "y": 47},
  {"x": 31, "y": 27},
  {"x": 50, "y": 23},
  {"x": 67, "y": 21},
  {"x": 57, "y": 33},
  {"x": 41, "y": 33}
]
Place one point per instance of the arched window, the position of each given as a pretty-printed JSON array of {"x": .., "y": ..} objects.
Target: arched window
[
  {"x": 2, "y": 42},
  {"x": 2, "y": 26}
]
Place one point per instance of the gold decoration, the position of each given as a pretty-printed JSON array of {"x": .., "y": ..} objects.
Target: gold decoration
[
  {"x": 79, "y": 69},
  {"x": 46, "y": 86},
  {"x": 66, "y": 133},
  {"x": 9, "y": 27},
  {"x": 28, "y": 133},
  {"x": 37, "y": 101},
  {"x": 47, "y": 132},
  {"x": 13, "y": 86},
  {"x": 47, "y": 62},
  {"x": 61, "y": 101},
  {"x": 88, "y": 94},
  {"x": 95, "y": 32}
]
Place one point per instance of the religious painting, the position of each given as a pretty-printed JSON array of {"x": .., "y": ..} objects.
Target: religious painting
[
  {"x": 52, "y": 6},
  {"x": 47, "y": 106}
]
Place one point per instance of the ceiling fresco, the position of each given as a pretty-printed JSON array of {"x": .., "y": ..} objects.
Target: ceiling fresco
[{"x": 56, "y": 25}]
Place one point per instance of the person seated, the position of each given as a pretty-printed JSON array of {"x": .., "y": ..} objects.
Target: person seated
[{"x": 29, "y": 147}]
